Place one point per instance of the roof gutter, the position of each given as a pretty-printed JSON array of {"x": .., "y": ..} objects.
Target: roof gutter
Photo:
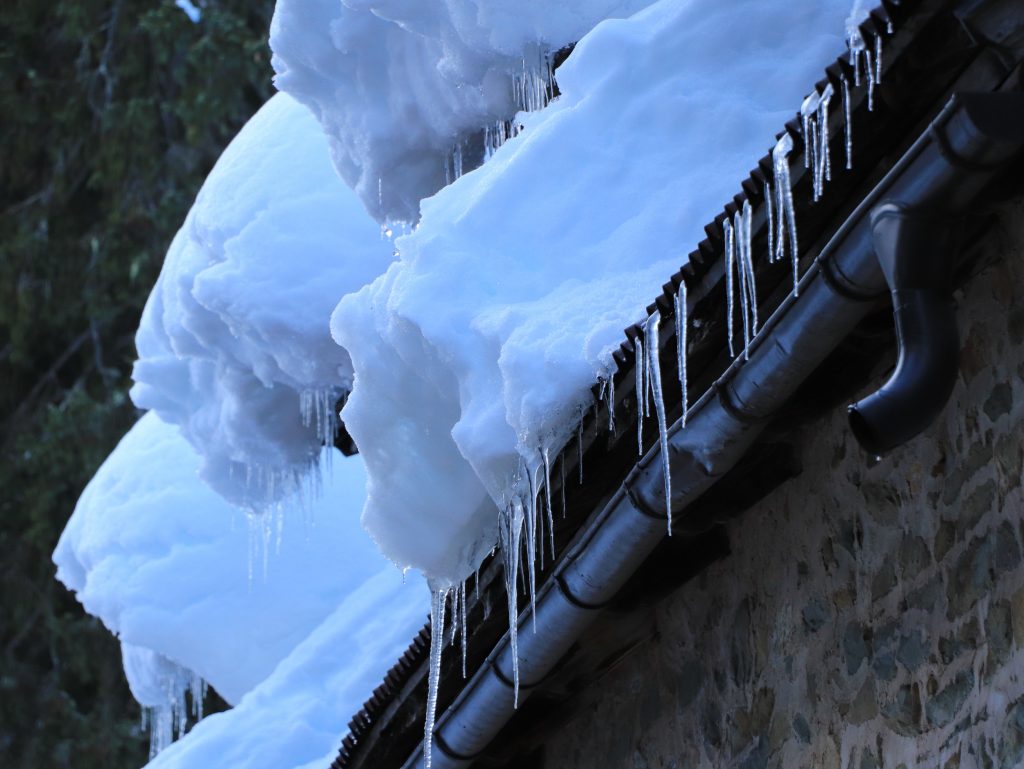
[{"x": 941, "y": 173}]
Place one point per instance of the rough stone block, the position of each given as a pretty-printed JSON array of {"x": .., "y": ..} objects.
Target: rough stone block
[
  {"x": 971, "y": 577},
  {"x": 943, "y": 707}
]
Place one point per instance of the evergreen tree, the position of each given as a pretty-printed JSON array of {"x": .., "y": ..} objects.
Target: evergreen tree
[{"x": 112, "y": 114}]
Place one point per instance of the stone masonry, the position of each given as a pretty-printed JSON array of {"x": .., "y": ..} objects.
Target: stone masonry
[{"x": 869, "y": 617}]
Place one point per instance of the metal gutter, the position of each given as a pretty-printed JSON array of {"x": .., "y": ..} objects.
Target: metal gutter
[{"x": 942, "y": 172}]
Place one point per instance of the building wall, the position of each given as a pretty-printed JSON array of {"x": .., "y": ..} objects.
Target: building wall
[{"x": 868, "y": 616}]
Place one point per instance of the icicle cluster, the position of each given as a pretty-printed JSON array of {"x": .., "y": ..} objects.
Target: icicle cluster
[
  {"x": 785, "y": 213},
  {"x": 739, "y": 273},
  {"x": 294, "y": 485},
  {"x": 317, "y": 408},
  {"x": 817, "y": 157},
  {"x": 867, "y": 64},
  {"x": 607, "y": 396},
  {"x": 524, "y": 514},
  {"x": 169, "y": 721},
  {"x": 533, "y": 86}
]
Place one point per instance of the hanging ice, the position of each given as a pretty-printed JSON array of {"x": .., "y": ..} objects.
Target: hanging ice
[
  {"x": 681, "y": 325},
  {"x": 317, "y": 408},
  {"x": 638, "y": 366},
  {"x": 814, "y": 119},
  {"x": 848, "y": 123},
  {"x": 739, "y": 275},
  {"x": 462, "y": 623},
  {"x": 438, "y": 602},
  {"x": 547, "y": 499},
  {"x": 860, "y": 56},
  {"x": 164, "y": 689},
  {"x": 730, "y": 261},
  {"x": 785, "y": 215},
  {"x": 579, "y": 445},
  {"x": 611, "y": 403},
  {"x": 533, "y": 87},
  {"x": 742, "y": 226},
  {"x": 510, "y": 528},
  {"x": 652, "y": 363}
]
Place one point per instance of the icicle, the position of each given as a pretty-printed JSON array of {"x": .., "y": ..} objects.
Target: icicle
[
  {"x": 769, "y": 215},
  {"x": 638, "y": 365},
  {"x": 654, "y": 378},
  {"x": 808, "y": 111},
  {"x": 730, "y": 262},
  {"x": 785, "y": 216},
  {"x": 547, "y": 500},
  {"x": 855, "y": 42},
  {"x": 869, "y": 73},
  {"x": 611, "y": 403},
  {"x": 531, "y": 548},
  {"x": 438, "y": 601},
  {"x": 745, "y": 267},
  {"x": 748, "y": 223},
  {"x": 463, "y": 624},
  {"x": 454, "y": 597},
  {"x": 681, "y": 326},
  {"x": 741, "y": 274},
  {"x": 878, "y": 59},
  {"x": 823, "y": 172},
  {"x": 561, "y": 467},
  {"x": 849, "y": 123},
  {"x": 510, "y": 528},
  {"x": 579, "y": 445}
]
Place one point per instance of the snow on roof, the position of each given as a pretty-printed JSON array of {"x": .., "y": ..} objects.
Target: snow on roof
[
  {"x": 234, "y": 343},
  {"x": 470, "y": 356},
  {"x": 475, "y": 352}
]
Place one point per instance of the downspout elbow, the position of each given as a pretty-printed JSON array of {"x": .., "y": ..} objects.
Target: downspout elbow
[{"x": 916, "y": 253}]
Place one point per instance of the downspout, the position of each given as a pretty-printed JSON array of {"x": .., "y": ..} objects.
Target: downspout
[
  {"x": 916, "y": 252},
  {"x": 834, "y": 295}
]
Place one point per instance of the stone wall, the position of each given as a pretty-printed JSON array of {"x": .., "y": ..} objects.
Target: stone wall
[{"x": 868, "y": 616}]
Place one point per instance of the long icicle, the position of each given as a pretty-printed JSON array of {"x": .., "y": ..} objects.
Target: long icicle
[
  {"x": 547, "y": 500},
  {"x": 531, "y": 546},
  {"x": 579, "y": 445},
  {"x": 561, "y": 468},
  {"x": 785, "y": 212},
  {"x": 748, "y": 263},
  {"x": 681, "y": 326},
  {"x": 730, "y": 262},
  {"x": 438, "y": 601},
  {"x": 849, "y": 123},
  {"x": 510, "y": 529},
  {"x": 741, "y": 274},
  {"x": 769, "y": 215},
  {"x": 651, "y": 335},
  {"x": 463, "y": 623},
  {"x": 638, "y": 366},
  {"x": 611, "y": 403}
]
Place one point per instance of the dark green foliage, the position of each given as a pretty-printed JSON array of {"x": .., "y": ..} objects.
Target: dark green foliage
[{"x": 111, "y": 114}]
